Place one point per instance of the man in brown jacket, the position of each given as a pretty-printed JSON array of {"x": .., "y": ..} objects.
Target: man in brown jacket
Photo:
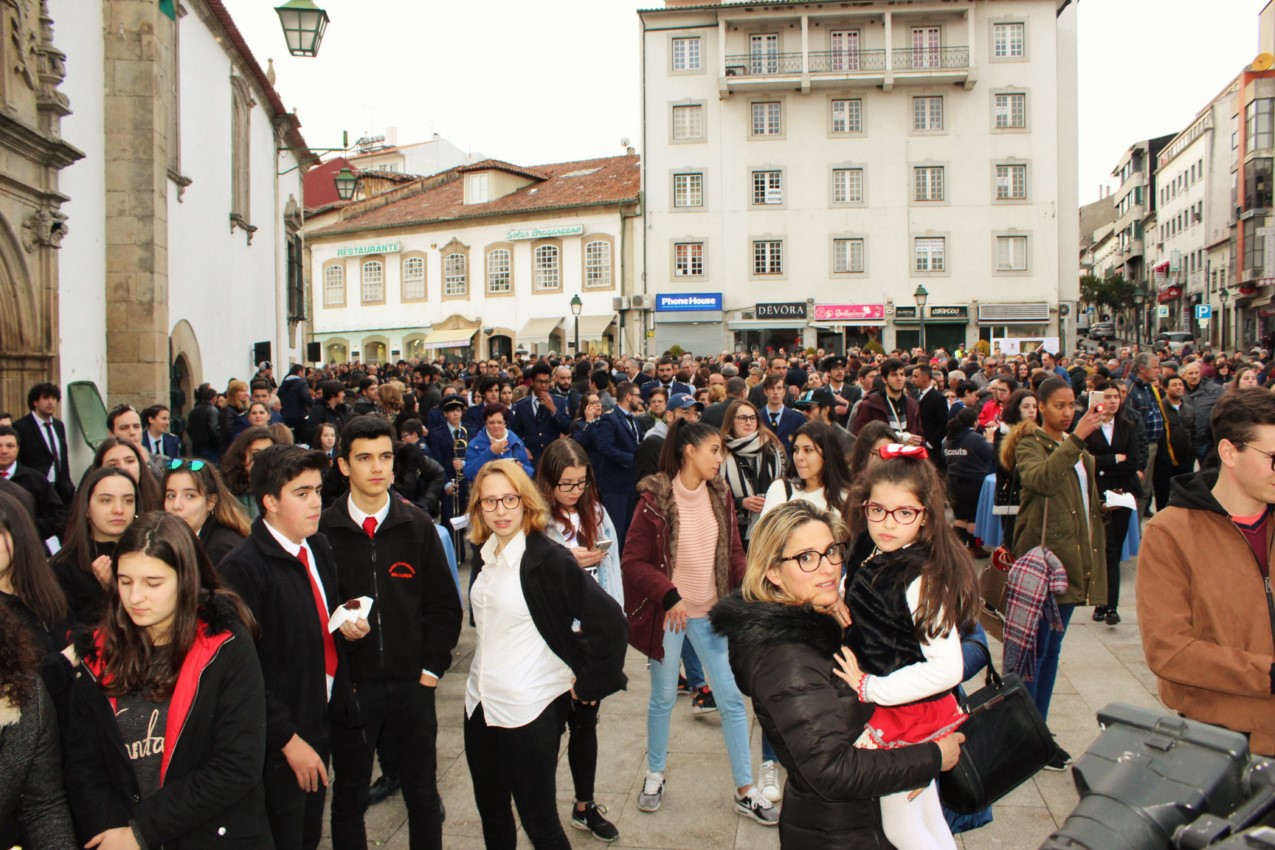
[{"x": 1204, "y": 591}]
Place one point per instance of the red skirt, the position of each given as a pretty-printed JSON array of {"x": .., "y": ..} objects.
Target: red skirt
[{"x": 916, "y": 723}]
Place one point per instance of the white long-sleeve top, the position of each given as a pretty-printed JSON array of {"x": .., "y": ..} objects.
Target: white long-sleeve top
[{"x": 940, "y": 671}]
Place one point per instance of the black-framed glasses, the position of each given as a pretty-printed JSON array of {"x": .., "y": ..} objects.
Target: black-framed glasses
[
  {"x": 1270, "y": 455},
  {"x": 746, "y": 417},
  {"x": 569, "y": 486},
  {"x": 511, "y": 501},
  {"x": 193, "y": 465},
  {"x": 810, "y": 559},
  {"x": 903, "y": 516}
]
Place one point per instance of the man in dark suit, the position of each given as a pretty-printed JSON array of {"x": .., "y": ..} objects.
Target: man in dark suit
[
  {"x": 564, "y": 387},
  {"x": 155, "y": 436},
  {"x": 286, "y": 574},
  {"x": 757, "y": 395},
  {"x": 50, "y": 513},
  {"x": 782, "y": 421},
  {"x": 844, "y": 391},
  {"x": 664, "y": 371},
  {"x": 42, "y": 440},
  {"x": 933, "y": 411},
  {"x": 541, "y": 417},
  {"x": 441, "y": 442},
  {"x": 617, "y": 443},
  {"x": 487, "y": 391}
]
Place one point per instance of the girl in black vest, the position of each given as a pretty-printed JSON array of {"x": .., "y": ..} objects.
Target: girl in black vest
[{"x": 910, "y": 589}]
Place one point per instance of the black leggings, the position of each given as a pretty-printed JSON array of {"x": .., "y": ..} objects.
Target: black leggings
[
  {"x": 582, "y": 748},
  {"x": 1117, "y": 521}
]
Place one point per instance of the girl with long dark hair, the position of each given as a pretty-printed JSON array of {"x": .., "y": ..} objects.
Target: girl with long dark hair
[
  {"x": 105, "y": 503},
  {"x": 578, "y": 521},
  {"x": 754, "y": 460},
  {"x": 27, "y": 585},
  {"x": 236, "y": 466},
  {"x": 818, "y": 471},
  {"x": 166, "y": 728},
  {"x": 910, "y": 591},
  {"x": 193, "y": 491},
  {"x": 1020, "y": 417},
  {"x": 872, "y": 437},
  {"x": 125, "y": 454}
]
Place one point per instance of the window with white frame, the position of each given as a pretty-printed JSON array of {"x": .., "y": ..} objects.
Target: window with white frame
[
  {"x": 927, "y": 183},
  {"x": 1011, "y": 111},
  {"x": 847, "y": 115},
  {"x": 768, "y": 256},
  {"x": 847, "y": 256},
  {"x": 597, "y": 265},
  {"x": 688, "y": 259},
  {"x": 373, "y": 281},
  {"x": 930, "y": 254},
  {"x": 845, "y": 50},
  {"x": 1011, "y": 182},
  {"x": 927, "y": 112},
  {"x": 334, "y": 286},
  {"x": 763, "y": 53},
  {"x": 686, "y": 54},
  {"x": 847, "y": 185},
  {"x": 414, "y": 279},
  {"x": 455, "y": 275},
  {"x": 499, "y": 272},
  {"x": 1009, "y": 40},
  {"x": 476, "y": 188},
  {"x": 768, "y": 118},
  {"x": 768, "y": 188},
  {"x": 688, "y": 190},
  {"x": 688, "y": 122},
  {"x": 547, "y": 268},
  {"x": 927, "y": 45},
  {"x": 1011, "y": 253}
]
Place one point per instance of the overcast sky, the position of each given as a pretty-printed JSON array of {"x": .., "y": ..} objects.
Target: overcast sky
[{"x": 535, "y": 83}]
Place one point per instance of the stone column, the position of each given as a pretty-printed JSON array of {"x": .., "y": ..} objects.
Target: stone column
[{"x": 140, "y": 98}]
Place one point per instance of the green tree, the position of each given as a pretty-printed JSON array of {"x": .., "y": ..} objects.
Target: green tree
[{"x": 1112, "y": 292}]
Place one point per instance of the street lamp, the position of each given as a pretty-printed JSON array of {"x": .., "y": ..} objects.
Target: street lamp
[
  {"x": 1224, "y": 294},
  {"x": 303, "y": 26},
  {"x": 921, "y": 295},
  {"x": 346, "y": 183},
  {"x": 576, "y": 305},
  {"x": 1139, "y": 298}
]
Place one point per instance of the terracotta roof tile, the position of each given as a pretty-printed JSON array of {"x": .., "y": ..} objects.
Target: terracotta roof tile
[
  {"x": 501, "y": 165},
  {"x": 589, "y": 182}
]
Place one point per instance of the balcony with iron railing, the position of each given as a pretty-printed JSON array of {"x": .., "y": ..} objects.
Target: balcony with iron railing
[
  {"x": 762, "y": 70},
  {"x": 930, "y": 59}
]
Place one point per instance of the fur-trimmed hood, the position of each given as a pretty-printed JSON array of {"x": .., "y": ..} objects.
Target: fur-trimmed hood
[
  {"x": 657, "y": 491},
  {"x": 750, "y": 626},
  {"x": 10, "y": 713}
]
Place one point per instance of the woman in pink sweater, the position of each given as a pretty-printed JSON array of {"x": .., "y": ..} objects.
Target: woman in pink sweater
[{"x": 683, "y": 553}]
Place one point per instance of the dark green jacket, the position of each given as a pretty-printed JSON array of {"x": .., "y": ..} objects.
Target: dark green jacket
[{"x": 1047, "y": 470}]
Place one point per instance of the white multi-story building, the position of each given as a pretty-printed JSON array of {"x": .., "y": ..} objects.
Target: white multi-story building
[{"x": 809, "y": 166}]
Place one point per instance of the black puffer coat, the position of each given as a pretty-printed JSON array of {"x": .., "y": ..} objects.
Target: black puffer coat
[{"x": 781, "y": 656}]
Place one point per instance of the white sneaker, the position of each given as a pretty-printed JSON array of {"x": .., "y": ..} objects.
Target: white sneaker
[
  {"x": 768, "y": 781},
  {"x": 652, "y": 793},
  {"x": 755, "y": 805}
]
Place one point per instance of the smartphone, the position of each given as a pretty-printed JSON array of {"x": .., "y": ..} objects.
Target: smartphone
[
  {"x": 1095, "y": 400},
  {"x": 602, "y": 546}
]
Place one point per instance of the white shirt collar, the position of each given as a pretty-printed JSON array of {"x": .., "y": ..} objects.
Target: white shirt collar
[
  {"x": 288, "y": 546},
  {"x": 358, "y": 516},
  {"x": 511, "y": 554}
]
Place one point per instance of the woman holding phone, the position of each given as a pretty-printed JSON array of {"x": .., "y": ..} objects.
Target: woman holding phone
[{"x": 578, "y": 521}]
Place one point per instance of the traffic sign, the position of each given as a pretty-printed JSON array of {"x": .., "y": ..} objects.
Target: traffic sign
[{"x": 1204, "y": 311}]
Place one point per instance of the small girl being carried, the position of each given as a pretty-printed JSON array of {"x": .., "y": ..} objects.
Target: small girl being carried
[{"x": 910, "y": 590}]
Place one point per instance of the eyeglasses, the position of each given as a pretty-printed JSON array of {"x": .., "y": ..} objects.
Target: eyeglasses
[
  {"x": 746, "y": 417},
  {"x": 810, "y": 559},
  {"x": 569, "y": 486},
  {"x": 1270, "y": 455},
  {"x": 903, "y": 516},
  {"x": 510, "y": 500},
  {"x": 192, "y": 465}
]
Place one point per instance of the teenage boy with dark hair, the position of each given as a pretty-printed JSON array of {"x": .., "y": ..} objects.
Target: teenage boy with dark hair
[
  {"x": 486, "y": 391},
  {"x": 541, "y": 417},
  {"x": 286, "y": 574},
  {"x": 893, "y": 406},
  {"x": 42, "y": 440},
  {"x": 390, "y": 552}
]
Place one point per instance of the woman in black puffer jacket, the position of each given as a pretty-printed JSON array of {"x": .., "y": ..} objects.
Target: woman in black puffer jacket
[{"x": 782, "y": 638}]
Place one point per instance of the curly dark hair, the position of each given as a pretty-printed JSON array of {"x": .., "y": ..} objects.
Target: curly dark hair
[
  {"x": 20, "y": 661},
  {"x": 234, "y": 463}
]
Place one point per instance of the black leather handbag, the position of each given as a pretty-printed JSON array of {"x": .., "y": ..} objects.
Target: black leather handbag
[{"x": 1006, "y": 743}]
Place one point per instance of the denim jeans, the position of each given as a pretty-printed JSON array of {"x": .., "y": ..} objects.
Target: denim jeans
[
  {"x": 711, "y": 649},
  {"x": 1048, "y": 648},
  {"x": 694, "y": 670}
]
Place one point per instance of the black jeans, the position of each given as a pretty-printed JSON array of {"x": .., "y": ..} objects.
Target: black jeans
[
  {"x": 582, "y": 748},
  {"x": 1164, "y": 473},
  {"x": 520, "y": 763},
  {"x": 296, "y": 817},
  {"x": 406, "y": 708},
  {"x": 1117, "y": 521}
]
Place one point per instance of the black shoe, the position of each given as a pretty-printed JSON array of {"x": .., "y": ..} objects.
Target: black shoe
[
  {"x": 382, "y": 789},
  {"x": 1100, "y": 613},
  {"x": 591, "y": 820},
  {"x": 1113, "y": 617},
  {"x": 1060, "y": 761}
]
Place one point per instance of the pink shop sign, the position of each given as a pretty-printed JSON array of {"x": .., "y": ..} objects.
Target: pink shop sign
[{"x": 849, "y": 313}]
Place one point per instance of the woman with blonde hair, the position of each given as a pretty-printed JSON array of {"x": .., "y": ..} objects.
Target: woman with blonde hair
[
  {"x": 390, "y": 400},
  {"x": 529, "y": 662}
]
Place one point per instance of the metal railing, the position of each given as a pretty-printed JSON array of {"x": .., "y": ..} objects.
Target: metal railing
[
  {"x": 762, "y": 64},
  {"x": 931, "y": 58},
  {"x": 846, "y": 61}
]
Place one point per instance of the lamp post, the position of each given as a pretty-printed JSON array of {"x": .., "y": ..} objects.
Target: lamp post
[
  {"x": 346, "y": 183},
  {"x": 1224, "y": 295},
  {"x": 576, "y": 305},
  {"x": 303, "y": 26},
  {"x": 921, "y": 295}
]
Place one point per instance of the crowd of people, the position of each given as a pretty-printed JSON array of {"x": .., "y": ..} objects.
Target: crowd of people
[{"x": 231, "y": 613}]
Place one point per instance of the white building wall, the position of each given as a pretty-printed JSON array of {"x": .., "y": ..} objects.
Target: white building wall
[{"x": 1181, "y": 192}]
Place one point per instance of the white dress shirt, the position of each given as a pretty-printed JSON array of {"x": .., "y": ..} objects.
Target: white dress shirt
[
  {"x": 50, "y": 436},
  {"x": 514, "y": 674},
  {"x": 294, "y": 550}
]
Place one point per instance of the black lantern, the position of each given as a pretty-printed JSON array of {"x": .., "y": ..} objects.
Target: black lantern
[
  {"x": 303, "y": 26},
  {"x": 576, "y": 306},
  {"x": 921, "y": 295},
  {"x": 346, "y": 183}
]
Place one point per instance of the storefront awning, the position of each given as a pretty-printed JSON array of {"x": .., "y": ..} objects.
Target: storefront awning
[
  {"x": 537, "y": 331},
  {"x": 456, "y": 338},
  {"x": 592, "y": 327}
]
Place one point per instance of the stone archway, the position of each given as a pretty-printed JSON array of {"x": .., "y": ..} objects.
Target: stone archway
[
  {"x": 186, "y": 367},
  {"x": 27, "y": 348}
]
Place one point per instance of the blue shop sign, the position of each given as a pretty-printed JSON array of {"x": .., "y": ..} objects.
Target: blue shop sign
[{"x": 685, "y": 302}]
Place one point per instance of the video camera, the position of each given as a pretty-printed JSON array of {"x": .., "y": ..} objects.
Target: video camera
[{"x": 1153, "y": 781}]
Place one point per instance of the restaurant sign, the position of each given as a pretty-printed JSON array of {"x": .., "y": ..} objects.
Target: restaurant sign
[
  {"x": 544, "y": 232},
  {"x": 364, "y": 250}
]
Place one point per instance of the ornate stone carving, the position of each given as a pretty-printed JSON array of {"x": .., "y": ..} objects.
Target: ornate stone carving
[
  {"x": 24, "y": 33},
  {"x": 44, "y": 227}
]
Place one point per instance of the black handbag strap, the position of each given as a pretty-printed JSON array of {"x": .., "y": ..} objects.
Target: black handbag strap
[{"x": 992, "y": 677}]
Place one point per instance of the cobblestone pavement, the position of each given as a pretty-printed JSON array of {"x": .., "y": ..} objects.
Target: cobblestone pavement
[{"x": 1100, "y": 664}]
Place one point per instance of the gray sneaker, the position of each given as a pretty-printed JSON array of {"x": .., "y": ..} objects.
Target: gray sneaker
[
  {"x": 755, "y": 805},
  {"x": 652, "y": 793}
]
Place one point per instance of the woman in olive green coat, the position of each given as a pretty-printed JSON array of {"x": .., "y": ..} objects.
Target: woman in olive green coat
[{"x": 1050, "y": 463}]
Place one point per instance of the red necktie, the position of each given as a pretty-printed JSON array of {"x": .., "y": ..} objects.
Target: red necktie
[
  {"x": 329, "y": 645},
  {"x": 4, "y": 474},
  {"x": 369, "y": 526}
]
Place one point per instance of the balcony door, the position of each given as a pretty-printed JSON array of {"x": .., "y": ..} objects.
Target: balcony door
[
  {"x": 926, "y": 44},
  {"x": 763, "y": 53},
  {"x": 845, "y": 50}
]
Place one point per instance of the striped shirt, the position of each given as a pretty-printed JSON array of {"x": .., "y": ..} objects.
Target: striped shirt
[{"x": 694, "y": 573}]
